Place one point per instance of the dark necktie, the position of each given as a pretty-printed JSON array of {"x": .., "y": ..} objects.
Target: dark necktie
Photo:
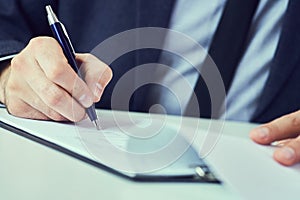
[{"x": 227, "y": 47}]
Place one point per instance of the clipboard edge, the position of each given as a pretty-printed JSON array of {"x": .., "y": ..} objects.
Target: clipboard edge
[{"x": 137, "y": 178}]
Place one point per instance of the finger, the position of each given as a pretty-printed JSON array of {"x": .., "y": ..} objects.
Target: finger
[
  {"x": 57, "y": 99},
  {"x": 288, "y": 154},
  {"x": 284, "y": 127},
  {"x": 96, "y": 73},
  {"x": 280, "y": 143},
  {"x": 17, "y": 87},
  {"x": 33, "y": 100},
  {"x": 20, "y": 108},
  {"x": 53, "y": 96},
  {"x": 52, "y": 61},
  {"x": 16, "y": 91}
]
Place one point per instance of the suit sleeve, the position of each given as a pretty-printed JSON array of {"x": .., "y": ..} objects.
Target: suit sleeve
[{"x": 21, "y": 20}]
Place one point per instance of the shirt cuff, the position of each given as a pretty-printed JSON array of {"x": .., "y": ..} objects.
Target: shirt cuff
[
  {"x": 4, "y": 61},
  {"x": 5, "y": 58}
]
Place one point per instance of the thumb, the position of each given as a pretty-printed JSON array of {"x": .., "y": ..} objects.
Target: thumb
[{"x": 95, "y": 72}]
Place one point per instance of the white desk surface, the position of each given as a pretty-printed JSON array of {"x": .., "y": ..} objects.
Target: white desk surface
[{"x": 29, "y": 170}]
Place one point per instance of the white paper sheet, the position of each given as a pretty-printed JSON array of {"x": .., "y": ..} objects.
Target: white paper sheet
[
  {"x": 117, "y": 144},
  {"x": 250, "y": 169},
  {"x": 246, "y": 167}
]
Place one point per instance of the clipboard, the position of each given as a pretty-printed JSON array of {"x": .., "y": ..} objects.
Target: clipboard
[{"x": 198, "y": 171}]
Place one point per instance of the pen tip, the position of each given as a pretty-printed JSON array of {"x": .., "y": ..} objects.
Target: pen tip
[{"x": 97, "y": 124}]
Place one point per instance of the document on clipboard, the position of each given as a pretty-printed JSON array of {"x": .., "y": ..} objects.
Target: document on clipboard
[{"x": 139, "y": 152}]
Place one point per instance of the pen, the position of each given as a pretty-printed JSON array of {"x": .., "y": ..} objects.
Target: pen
[{"x": 63, "y": 39}]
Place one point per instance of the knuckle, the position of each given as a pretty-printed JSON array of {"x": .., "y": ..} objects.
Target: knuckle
[
  {"x": 40, "y": 41},
  {"x": 54, "y": 74},
  {"x": 17, "y": 63},
  {"x": 11, "y": 88},
  {"x": 78, "y": 90},
  {"x": 54, "y": 96},
  {"x": 43, "y": 44},
  {"x": 57, "y": 71},
  {"x": 294, "y": 119},
  {"x": 274, "y": 129},
  {"x": 36, "y": 43},
  {"x": 54, "y": 101}
]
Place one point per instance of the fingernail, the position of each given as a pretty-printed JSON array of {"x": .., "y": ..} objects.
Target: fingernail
[
  {"x": 262, "y": 132},
  {"x": 98, "y": 90},
  {"x": 287, "y": 153},
  {"x": 85, "y": 100}
]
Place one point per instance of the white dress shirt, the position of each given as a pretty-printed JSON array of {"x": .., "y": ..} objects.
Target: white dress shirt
[{"x": 198, "y": 19}]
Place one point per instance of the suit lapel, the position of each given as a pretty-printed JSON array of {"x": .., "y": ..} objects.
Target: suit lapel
[
  {"x": 285, "y": 60},
  {"x": 152, "y": 13},
  {"x": 155, "y": 13}
]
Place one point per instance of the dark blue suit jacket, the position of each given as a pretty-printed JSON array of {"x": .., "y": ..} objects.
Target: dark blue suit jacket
[{"x": 91, "y": 22}]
